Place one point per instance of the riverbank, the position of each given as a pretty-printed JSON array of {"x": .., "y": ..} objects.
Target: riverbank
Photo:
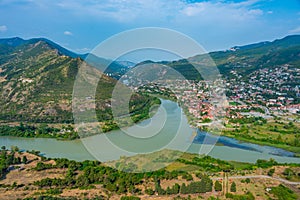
[
  {"x": 276, "y": 133},
  {"x": 295, "y": 150},
  {"x": 147, "y": 136},
  {"x": 66, "y": 131}
]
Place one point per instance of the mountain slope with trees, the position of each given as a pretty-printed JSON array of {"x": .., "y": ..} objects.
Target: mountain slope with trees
[
  {"x": 243, "y": 59},
  {"x": 36, "y": 84}
]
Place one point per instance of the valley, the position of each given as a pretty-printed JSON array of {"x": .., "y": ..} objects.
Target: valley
[{"x": 261, "y": 107}]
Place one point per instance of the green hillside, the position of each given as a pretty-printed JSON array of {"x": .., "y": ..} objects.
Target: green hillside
[
  {"x": 36, "y": 84},
  {"x": 243, "y": 59}
]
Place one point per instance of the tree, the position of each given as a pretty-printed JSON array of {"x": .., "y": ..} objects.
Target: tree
[
  {"x": 271, "y": 172},
  {"x": 247, "y": 180},
  {"x": 288, "y": 173},
  {"x": 24, "y": 159},
  {"x": 17, "y": 160},
  {"x": 218, "y": 186},
  {"x": 176, "y": 188},
  {"x": 233, "y": 187},
  {"x": 168, "y": 191},
  {"x": 149, "y": 191},
  {"x": 183, "y": 189}
]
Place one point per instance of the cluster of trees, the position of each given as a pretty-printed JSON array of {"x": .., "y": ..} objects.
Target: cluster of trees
[
  {"x": 283, "y": 193},
  {"x": 9, "y": 158},
  {"x": 87, "y": 173},
  {"x": 118, "y": 181},
  {"x": 38, "y": 131},
  {"x": 95, "y": 173},
  {"x": 266, "y": 163},
  {"x": 205, "y": 185},
  {"x": 289, "y": 174}
]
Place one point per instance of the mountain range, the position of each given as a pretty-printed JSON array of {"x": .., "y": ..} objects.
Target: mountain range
[
  {"x": 37, "y": 75},
  {"x": 244, "y": 59}
]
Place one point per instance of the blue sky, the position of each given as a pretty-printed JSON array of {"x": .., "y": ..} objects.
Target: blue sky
[{"x": 80, "y": 25}]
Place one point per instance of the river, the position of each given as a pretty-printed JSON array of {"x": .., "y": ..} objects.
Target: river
[{"x": 168, "y": 129}]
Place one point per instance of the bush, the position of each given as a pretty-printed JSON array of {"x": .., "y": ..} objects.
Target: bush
[
  {"x": 149, "y": 191},
  {"x": 247, "y": 196}
]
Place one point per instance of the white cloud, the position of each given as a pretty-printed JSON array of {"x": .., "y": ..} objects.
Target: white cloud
[
  {"x": 120, "y": 10},
  {"x": 210, "y": 11},
  {"x": 270, "y": 12},
  {"x": 295, "y": 30},
  {"x": 68, "y": 33},
  {"x": 212, "y": 22},
  {"x": 255, "y": 12},
  {"x": 246, "y": 3},
  {"x": 194, "y": 9},
  {"x": 3, "y": 28},
  {"x": 130, "y": 10}
]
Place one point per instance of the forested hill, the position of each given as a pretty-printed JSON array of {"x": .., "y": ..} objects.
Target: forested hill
[
  {"x": 243, "y": 59},
  {"x": 36, "y": 82}
]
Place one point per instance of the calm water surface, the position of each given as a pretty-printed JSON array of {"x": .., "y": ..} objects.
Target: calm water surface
[{"x": 168, "y": 129}]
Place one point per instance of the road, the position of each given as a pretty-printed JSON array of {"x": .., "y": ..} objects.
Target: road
[{"x": 260, "y": 176}]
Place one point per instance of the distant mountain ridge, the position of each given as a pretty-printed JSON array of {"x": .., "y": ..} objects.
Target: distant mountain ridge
[
  {"x": 243, "y": 59},
  {"x": 288, "y": 41},
  {"x": 16, "y": 41}
]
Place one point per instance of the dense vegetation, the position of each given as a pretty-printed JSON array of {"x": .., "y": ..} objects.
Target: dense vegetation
[
  {"x": 9, "y": 158},
  {"x": 87, "y": 175},
  {"x": 283, "y": 193},
  {"x": 117, "y": 181},
  {"x": 247, "y": 196},
  {"x": 274, "y": 133},
  {"x": 36, "y": 83},
  {"x": 40, "y": 131}
]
